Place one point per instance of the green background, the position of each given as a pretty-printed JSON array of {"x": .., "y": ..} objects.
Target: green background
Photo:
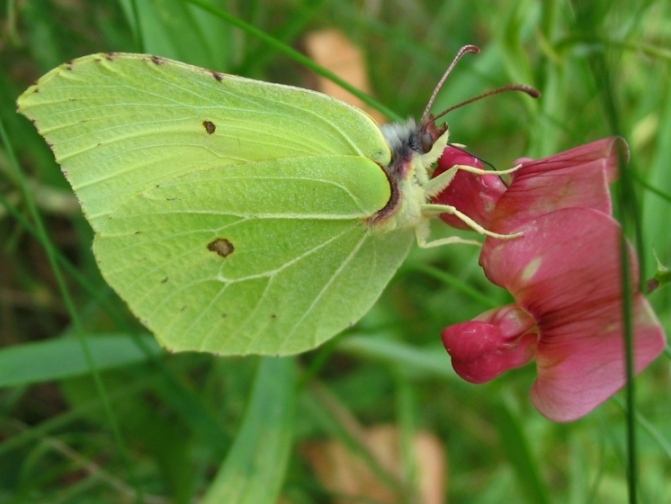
[{"x": 92, "y": 411}]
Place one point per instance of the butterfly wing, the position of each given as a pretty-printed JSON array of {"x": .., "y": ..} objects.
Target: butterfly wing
[
  {"x": 120, "y": 123},
  {"x": 230, "y": 214},
  {"x": 234, "y": 263}
]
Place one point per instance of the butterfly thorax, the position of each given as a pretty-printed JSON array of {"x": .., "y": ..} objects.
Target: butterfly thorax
[{"x": 408, "y": 172}]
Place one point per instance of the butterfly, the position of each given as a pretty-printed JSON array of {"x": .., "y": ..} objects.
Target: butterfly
[{"x": 236, "y": 216}]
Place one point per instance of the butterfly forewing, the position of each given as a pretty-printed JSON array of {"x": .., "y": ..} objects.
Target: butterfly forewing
[{"x": 121, "y": 123}]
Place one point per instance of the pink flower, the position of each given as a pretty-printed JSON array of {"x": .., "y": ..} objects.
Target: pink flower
[{"x": 565, "y": 276}]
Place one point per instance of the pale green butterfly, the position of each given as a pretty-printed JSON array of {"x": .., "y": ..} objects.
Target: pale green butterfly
[{"x": 236, "y": 216}]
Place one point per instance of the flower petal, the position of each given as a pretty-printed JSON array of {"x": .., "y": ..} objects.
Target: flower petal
[
  {"x": 565, "y": 272},
  {"x": 576, "y": 374},
  {"x": 472, "y": 194},
  {"x": 575, "y": 178},
  {"x": 567, "y": 260}
]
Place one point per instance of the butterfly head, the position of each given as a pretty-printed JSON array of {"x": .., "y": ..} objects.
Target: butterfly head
[{"x": 414, "y": 150}]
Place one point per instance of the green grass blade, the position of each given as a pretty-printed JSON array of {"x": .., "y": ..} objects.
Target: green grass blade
[
  {"x": 516, "y": 445},
  {"x": 254, "y": 468},
  {"x": 64, "y": 358}
]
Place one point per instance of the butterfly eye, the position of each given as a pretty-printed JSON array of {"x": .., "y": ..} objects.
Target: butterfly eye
[{"x": 426, "y": 142}]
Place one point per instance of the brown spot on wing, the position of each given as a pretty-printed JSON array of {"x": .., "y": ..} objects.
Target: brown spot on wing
[
  {"x": 221, "y": 246},
  {"x": 209, "y": 127}
]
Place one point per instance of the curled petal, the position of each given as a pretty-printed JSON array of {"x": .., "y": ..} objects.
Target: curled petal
[
  {"x": 575, "y": 178},
  {"x": 496, "y": 341},
  {"x": 600, "y": 155}
]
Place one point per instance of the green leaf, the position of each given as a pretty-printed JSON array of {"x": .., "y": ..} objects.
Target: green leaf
[{"x": 254, "y": 468}]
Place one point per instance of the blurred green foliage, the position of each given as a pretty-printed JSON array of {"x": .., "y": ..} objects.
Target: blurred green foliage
[{"x": 179, "y": 415}]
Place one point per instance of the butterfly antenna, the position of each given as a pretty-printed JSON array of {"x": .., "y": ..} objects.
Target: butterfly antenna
[
  {"x": 534, "y": 93},
  {"x": 462, "y": 51},
  {"x": 465, "y": 151}
]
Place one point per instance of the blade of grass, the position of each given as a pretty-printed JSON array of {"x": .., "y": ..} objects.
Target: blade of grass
[
  {"x": 286, "y": 33},
  {"x": 255, "y": 466},
  {"x": 418, "y": 362},
  {"x": 629, "y": 216},
  {"x": 515, "y": 443},
  {"x": 64, "y": 358},
  {"x": 295, "y": 55}
]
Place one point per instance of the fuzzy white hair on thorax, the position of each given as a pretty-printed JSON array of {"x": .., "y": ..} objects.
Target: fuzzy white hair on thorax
[{"x": 398, "y": 134}]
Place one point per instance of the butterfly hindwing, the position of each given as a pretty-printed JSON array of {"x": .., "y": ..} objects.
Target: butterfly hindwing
[{"x": 272, "y": 263}]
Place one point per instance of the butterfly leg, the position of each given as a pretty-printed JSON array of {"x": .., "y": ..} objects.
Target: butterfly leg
[
  {"x": 437, "y": 184},
  {"x": 422, "y": 235},
  {"x": 431, "y": 210}
]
